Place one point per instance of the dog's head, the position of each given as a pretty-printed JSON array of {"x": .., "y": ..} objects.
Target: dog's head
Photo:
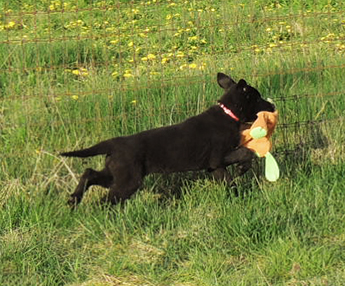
[{"x": 242, "y": 99}]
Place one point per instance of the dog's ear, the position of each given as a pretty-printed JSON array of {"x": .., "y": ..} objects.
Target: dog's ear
[
  {"x": 242, "y": 84},
  {"x": 224, "y": 81}
]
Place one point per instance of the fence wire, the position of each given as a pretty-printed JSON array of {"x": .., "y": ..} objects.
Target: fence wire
[{"x": 75, "y": 64}]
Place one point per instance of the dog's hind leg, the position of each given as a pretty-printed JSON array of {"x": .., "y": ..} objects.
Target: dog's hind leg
[
  {"x": 126, "y": 183},
  {"x": 90, "y": 177}
]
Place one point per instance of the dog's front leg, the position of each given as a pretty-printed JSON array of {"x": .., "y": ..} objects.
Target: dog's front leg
[
  {"x": 221, "y": 174},
  {"x": 241, "y": 156}
]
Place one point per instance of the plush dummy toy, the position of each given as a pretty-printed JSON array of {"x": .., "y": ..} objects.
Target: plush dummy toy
[{"x": 256, "y": 137}]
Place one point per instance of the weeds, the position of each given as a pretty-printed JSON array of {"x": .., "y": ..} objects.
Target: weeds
[{"x": 73, "y": 73}]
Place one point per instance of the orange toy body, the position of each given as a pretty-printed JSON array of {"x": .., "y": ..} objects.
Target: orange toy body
[{"x": 256, "y": 137}]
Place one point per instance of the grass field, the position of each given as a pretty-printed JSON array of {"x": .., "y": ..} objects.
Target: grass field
[{"x": 75, "y": 72}]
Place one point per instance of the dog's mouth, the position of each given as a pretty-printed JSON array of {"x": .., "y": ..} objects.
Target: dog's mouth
[{"x": 270, "y": 100}]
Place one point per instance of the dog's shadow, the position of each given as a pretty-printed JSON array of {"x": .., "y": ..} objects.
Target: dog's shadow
[{"x": 173, "y": 186}]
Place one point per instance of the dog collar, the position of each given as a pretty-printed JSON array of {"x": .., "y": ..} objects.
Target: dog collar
[{"x": 228, "y": 111}]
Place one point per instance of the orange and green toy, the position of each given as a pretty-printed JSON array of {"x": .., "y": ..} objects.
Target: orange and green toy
[{"x": 256, "y": 137}]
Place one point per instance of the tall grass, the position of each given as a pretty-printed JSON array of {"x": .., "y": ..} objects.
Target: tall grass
[{"x": 77, "y": 72}]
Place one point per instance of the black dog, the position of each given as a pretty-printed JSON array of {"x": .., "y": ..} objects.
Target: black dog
[{"x": 209, "y": 141}]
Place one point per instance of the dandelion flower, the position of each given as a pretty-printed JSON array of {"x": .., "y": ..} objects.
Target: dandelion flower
[
  {"x": 76, "y": 72},
  {"x": 151, "y": 57},
  {"x": 128, "y": 74},
  {"x": 11, "y": 24},
  {"x": 202, "y": 66},
  {"x": 164, "y": 60},
  {"x": 84, "y": 72},
  {"x": 193, "y": 66},
  {"x": 193, "y": 38},
  {"x": 183, "y": 66},
  {"x": 75, "y": 97}
]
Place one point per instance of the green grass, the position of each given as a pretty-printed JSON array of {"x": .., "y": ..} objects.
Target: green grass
[{"x": 73, "y": 73}]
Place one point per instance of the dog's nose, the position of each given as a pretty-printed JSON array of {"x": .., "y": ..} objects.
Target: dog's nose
[{"x": 270, "y": 100}]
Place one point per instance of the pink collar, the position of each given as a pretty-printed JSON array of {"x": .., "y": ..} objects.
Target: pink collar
[{"x": 228, "y": 111}]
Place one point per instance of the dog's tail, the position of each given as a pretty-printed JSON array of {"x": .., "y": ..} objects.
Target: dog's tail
[{"x": 102, "y": 148}]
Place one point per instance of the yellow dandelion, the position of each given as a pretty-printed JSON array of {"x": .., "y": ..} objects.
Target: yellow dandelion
[
  {"x": 115, "y": 74},
  {"x": 180, "y": 55},
  {"x": 11, "y": 24},
  {"x": 151, "y": 57},
  {"x": 84, "y": 72},
  {"x": 164, "y": 60},
  {"x": 134, "y": 102},
  {"x": 144, "y": 59},
  {"x": 269, "y": 29},
  {"x": 202, "y": 66},
  {"x": 75, "y": 97},
  {"x": 193, "y": 38},
  {"x": 128, "y": 74},
  {"x": 168, "y": 17},
  {"x": 183, "y": 66},
  {"x": 193, "y": 66},
  {"x": 130, "y": 44},
  {"x": 76, "y": 72}
]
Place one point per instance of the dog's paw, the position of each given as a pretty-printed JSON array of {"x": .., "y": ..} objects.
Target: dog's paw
[{"x": 73, "y": 201}]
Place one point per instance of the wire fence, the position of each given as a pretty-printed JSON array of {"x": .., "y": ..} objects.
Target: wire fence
[{"x": 58, "y": 54}]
